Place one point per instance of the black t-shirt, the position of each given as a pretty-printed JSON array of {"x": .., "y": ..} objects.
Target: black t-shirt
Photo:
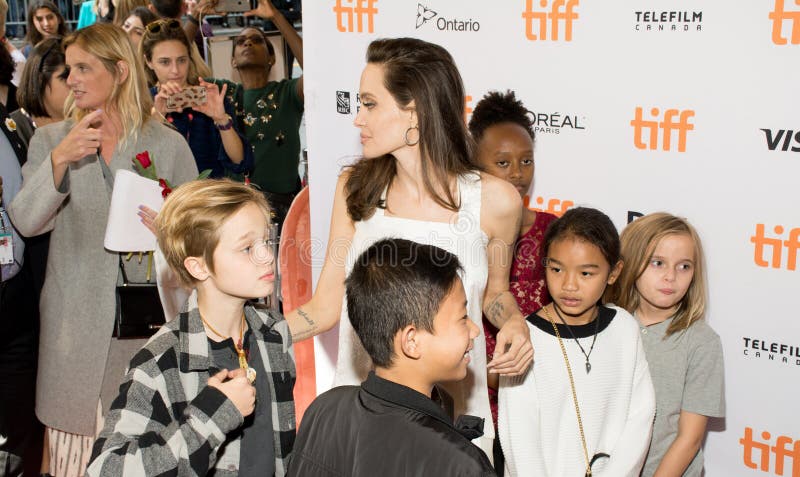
[{"x": 257, "y": 455}]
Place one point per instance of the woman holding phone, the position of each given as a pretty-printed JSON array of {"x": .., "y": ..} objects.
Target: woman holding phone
[
  {"x": 207, "y": 124},
  {"x": 66, "y": 189}
]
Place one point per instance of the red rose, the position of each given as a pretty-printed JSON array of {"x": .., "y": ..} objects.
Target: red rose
[
  {"x": 165, "y": 192},
  {"x": 144, "y": 159},
  {"x": 162, "y": 183}
]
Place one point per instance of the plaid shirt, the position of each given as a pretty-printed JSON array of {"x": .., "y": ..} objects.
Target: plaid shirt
[{"x": 167, "y": 421}]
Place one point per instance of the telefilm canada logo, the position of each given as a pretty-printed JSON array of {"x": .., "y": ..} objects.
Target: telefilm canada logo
[
  {"x": 778, "y": 352},
  {"x": 668, "y": 20},
  {"x": 553, "y": 123},
  {"x": 344, "y": 104},
  {"x": 427, "y": 16}
]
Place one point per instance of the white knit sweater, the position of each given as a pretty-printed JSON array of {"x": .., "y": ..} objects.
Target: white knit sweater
[{"x": 537, "y": 423}]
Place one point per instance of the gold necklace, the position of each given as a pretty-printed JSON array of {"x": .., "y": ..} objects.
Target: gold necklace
[
  {"x": 250, "y": 372},
  {"x": 574, "y": 394}
]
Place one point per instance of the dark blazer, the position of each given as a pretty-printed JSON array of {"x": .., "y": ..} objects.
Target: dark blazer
[{"x": 382, "y": 429}]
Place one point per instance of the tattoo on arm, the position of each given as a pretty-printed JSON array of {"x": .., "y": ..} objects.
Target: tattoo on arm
[
  {"x": 308, "y": 332},
  {"x": 495, "y": 311}
]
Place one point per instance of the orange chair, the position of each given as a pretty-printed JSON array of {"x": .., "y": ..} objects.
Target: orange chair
[{"x": 295, "y": 263}]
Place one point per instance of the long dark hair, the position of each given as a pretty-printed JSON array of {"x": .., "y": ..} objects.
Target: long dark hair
[
  {"x": 425, "y": 73},
  {"x": 44, "y": 60},
  {"x": 32, "y": 36}
]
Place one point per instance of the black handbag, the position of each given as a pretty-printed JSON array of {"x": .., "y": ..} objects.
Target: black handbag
[{"x": 139, "y": 310}]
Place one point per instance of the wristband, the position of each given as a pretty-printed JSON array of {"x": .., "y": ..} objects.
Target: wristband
[{"x": 228, "y": 124}]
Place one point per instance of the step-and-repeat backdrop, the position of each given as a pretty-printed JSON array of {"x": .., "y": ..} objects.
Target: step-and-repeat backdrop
[{"x": 677, "y": 105}]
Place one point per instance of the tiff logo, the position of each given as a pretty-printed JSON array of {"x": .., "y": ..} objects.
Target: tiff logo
[
  {"x": 667, "y": 126},
  {"x": 360, "y": 9},
  {"x": 774, "y": 139},
  {"x": 780, "y": 450},
  {"x": 556, "y": 207},
  {"x": 778, "y": 16},
  {"x": 775, "y": 260},
  {"x": 562, "y": 11}
]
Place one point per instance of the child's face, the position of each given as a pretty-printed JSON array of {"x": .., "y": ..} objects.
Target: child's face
[
  {"x": 236, "y": 271},
  {"x": 669, "y": 273},
  {"x": 577, "y": 275},
  {"x": 447, "y": 348},
  {"x": 506, "y": 151}
]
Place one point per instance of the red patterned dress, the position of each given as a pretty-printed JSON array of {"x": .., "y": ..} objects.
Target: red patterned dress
[{"x": 526, "y": 284}]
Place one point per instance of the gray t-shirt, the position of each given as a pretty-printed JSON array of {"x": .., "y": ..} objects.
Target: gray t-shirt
[
  {"x": 256, "y": 455},
  {"x": 688, "y": 375}
]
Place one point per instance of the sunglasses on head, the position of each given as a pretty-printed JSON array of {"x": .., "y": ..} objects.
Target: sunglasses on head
[{"x": 156, "y": 26}]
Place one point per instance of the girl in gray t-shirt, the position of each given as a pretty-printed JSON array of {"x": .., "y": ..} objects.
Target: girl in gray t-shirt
[{"x": 663, "y": 285}]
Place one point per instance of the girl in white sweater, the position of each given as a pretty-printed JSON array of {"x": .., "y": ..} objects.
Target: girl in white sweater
[{"x": 587, "y": 404}]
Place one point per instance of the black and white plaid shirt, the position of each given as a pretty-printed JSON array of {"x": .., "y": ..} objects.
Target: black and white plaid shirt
[{"x": 166, "y": 420}]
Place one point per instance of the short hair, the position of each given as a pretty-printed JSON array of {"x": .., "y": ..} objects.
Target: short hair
[
  {"x": 166, "y": 32},
  {"x": 393, "y": 284},
  {"x": 44, "y": 60},
  {"x": 496, "y": 108},
  {"x": 425, "y": 73},
  {"x": 32, "y": 35},
  {"x": 588, "y": 225},
  {"x": 111, "y": 45},
  {"x": 189, "y": 222},
  {"x": 168, "y": 8},
  {"x": 639, "y": 240}
]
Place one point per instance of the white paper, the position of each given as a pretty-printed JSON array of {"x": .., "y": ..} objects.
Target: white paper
[{"x": 125, "y": 231}]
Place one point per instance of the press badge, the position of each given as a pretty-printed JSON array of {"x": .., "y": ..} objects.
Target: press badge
[
  {"x": 6, "y": 245},
  {"x": 6, "y": 248}
]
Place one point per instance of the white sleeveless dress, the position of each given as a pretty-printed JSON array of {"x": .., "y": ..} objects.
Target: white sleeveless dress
[{"x": 462, "y": 237}]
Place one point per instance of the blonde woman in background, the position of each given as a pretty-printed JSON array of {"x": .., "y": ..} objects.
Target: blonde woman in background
[{"x": 67, "y": 185}]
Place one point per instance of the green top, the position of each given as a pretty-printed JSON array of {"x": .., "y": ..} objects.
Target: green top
[{"x": 270, "y": 117}]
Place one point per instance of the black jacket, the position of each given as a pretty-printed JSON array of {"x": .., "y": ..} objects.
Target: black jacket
[{"x": 382, "y": 429}]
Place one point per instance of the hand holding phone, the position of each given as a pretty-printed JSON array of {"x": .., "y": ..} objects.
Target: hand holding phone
[{"x": 189, "y": 97}]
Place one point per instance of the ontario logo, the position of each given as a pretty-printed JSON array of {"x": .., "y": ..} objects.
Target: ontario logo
[{"x": 426, "y": 16}]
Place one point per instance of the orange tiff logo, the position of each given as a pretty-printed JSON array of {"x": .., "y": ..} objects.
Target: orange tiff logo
[
  {"x": 776, "y": 244},
  {"x": 667, "y": 126},
  {"x": 785, "y": 447},
  {"x": 350, "y": 13},
  {"x": 778, "y": 16},
  {"x": 556, "y": 207},
  {"x": 561, "y": 12}
]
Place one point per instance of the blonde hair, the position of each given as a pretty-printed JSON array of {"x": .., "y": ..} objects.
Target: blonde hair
[
  {"x": 189, "y": 222},
  {"x": 130, "y": 97},
  {"x": 639, "y": 240},
  {"x": 124, "y": 8}
]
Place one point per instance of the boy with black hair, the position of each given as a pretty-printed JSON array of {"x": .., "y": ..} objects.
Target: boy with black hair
[{"x": 407, "y": 304}]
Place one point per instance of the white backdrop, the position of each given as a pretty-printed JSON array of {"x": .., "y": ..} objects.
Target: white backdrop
[{"x": 717, "y": 79}]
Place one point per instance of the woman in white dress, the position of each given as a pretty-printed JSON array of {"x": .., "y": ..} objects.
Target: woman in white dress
[{"x": 417, "y": 181}]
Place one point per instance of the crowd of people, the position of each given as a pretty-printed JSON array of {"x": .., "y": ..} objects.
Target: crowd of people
[{"x": 476, "y": 336}]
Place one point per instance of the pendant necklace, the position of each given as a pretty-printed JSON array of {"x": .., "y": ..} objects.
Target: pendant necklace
[
  {"x": 250, "y": 372},
  {"x": 569, "y": 328}
]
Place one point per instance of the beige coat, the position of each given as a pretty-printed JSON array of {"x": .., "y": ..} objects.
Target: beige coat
[{"x": 78, "y": 300}]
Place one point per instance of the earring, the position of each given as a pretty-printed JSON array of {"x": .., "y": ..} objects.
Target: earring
[{"x": 405, "y": 136}]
